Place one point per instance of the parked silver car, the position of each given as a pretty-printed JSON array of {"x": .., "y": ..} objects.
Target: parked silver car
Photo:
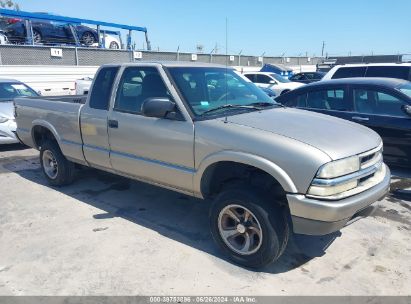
[
  {"x": 207, "y": 131},
  {"x": 10, "y": 89}
]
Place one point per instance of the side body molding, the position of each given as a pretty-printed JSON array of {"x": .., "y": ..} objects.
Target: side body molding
[{"x": 244, "y": 158}]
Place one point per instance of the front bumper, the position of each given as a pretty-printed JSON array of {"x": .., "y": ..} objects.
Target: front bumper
[
  {"x": 7, "y": 132},
  {"x": 316, "y": 217}
]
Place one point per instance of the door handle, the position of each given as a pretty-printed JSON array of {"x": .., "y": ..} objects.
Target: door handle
[
  {"x": 113, "y": 124},
  {"x": 360, "y": 118}
]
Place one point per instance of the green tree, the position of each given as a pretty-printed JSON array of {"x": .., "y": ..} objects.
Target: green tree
[{"x": 9, "y": 4}]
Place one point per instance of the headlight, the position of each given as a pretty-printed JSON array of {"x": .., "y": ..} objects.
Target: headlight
[
  {"x": 327, "y": 182},
  {"x": 339, "y": 167},
  {"x": 3, "y": 119}
]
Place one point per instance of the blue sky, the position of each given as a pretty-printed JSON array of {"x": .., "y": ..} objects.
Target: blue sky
[{"x": 254, "y": 26}]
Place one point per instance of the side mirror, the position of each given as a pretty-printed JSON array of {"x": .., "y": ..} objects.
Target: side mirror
[
  {"x": 157, "y": 107},
  {"x": 272, "y": 82},
  {"x": 407, "y": 109}
]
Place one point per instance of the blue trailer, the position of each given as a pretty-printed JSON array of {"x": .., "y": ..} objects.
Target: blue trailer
[{"x": 72, "y": 23}]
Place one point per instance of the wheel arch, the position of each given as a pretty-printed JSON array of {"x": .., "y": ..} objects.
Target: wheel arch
[
  {"x": 203, "y": 177},
  {"x": 42, "y": 130}
]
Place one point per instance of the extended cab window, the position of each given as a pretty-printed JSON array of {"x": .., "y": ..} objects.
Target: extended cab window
[
  {"x": 136, "y": 85},
  {"x": 100, "y": 97},
  {"x": 347, "y": 72},
  {"x": 327, "y": 100},
  {"x": 377, "y": 102}
]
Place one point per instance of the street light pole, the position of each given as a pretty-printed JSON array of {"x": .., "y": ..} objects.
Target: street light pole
[{"x": 322, "y": 51}]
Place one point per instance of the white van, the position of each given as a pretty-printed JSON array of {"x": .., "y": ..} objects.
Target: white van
[{"x": 389, "y": 70}]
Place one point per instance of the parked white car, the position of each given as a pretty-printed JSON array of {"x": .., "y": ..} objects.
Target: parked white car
[
  {"x": 278, "y": 84},
  {"x": 110, "y": 41},
  {"x": 10, "y": 89},
  {"x": 83, "y": 85}
]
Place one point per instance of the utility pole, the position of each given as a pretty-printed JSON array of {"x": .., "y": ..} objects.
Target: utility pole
[{"x": 322, "y": 50}]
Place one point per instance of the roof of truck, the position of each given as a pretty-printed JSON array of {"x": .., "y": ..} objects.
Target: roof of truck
[{"x": 172, "y": 64}]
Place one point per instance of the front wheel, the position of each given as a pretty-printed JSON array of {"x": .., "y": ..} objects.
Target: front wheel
[
  {"x": 57, "y": 169},
  {"x": 250, "y": 228}
]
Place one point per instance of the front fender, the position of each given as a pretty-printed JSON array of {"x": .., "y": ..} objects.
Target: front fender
[{"x": 244, "y": 158}]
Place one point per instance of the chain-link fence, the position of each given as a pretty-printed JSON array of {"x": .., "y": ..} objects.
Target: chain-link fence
[{"x": 44, "y": 55}]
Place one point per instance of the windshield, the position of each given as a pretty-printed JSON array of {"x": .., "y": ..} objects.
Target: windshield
[
  {"x": 206, "y": 89},
  {"x": 279, "y": 78},
  {"x": 9, "y": 91},
  {"x": 406, "y": 89}
]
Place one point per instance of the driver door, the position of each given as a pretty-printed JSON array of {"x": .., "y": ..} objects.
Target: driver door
[{"x": 158, "y": 150}]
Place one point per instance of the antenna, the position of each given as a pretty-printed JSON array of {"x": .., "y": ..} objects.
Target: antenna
[{"x": 226, "y": 64}]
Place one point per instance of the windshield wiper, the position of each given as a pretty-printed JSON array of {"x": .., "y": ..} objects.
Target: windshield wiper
[
  {"x": 231, "y": 106},
  {"x": 264, "y": 104}
]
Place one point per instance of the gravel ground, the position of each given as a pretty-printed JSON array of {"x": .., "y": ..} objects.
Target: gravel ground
[{"x": 106, "y": 235}]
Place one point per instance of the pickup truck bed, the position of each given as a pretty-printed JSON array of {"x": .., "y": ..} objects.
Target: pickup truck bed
[{"x": 60, "y": 114}]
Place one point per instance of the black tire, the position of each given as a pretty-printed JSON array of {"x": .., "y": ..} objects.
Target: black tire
[
  {"x": 65, "y": 169},
  {"x": 88, "y": 38},
  {"x": 37, "y": 37},
  {"x": 114, "y": 45},
  {"x": 271, "y": 217}
]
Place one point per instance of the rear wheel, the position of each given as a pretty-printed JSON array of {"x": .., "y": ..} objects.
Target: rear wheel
[
  {"x": 58, "y": 170},
  {"x": 250, "y": 228},
  {"x": 114, "y": 45},
  {"x": 36, "y": 36},
  {"x": 88, "y": 38}
]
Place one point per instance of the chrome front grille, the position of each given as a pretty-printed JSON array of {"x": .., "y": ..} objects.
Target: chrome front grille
[{"x": 370, "y": 158}]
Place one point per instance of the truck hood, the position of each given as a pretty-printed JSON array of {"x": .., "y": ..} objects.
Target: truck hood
[
  {"x": 7, "y": 109},
  {"x": 336, "y": 137}
]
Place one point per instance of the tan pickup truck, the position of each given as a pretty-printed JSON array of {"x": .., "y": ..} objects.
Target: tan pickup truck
[{"x": 207, "y": 131}]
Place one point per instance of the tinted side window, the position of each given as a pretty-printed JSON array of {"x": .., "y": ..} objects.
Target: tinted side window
[
  {"x": 298, "y": 77},
  {"x": 263, "y": 79},
  {"x": 347, "y": 72},
  {"x": 377, "y": 102},
  {"x": 136, "y": 85},
  {"x": 328, "y": 100},
  {"x": 296, "y": 101},
  {"x": 400, "y": 72},
  {"x": 250, "y": 76},
  {"x": 100, "y": 97}
]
